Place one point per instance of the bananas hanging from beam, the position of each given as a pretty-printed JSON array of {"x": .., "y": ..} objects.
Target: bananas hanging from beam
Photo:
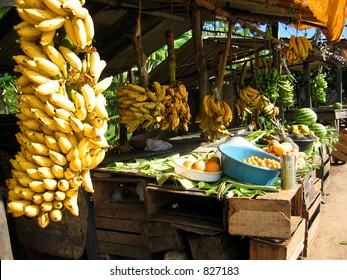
[
  {"x": 249, "y": 100},
  {"x": 299, "y": 48},
  {"x": 214, "y": 117},
  {"x": 177, "y": 111},
  {"x": 166, "y": 106},
  {"x": 62, "y": 111}
]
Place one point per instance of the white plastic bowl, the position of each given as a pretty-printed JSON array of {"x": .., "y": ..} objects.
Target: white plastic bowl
[{"x": 195, "y": 175}]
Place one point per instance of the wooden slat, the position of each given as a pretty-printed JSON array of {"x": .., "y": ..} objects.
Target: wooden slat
[
  {"x": 263, "y": 249},
  {"x": 118, "y": 224},
  {"x": 121, "y": 211},
  {"x": 5, "y": 242},
  {"x": 124, "y": 251},
  {"x": 120, "y": 238}
]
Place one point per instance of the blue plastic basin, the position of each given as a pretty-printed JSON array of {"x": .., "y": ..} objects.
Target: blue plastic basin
[{"x": 233, "y": 166}]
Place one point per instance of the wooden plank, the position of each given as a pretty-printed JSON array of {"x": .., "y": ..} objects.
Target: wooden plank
[
  {"x": 128, "y": 211},
  {"x": 339, "y": 155},
  {"x": 120, "y": 238},
  {"x": 340, "y": 147},
  {"x": 127, "y": 251},
  {"x": 218, "y": 247},
  {"x": 118, "y": 224},
  {"x": 160, "y": 236},
  {"x": 265, "y": 216},
  {"x": 5, "y": 241},
  {"x": 263, "y": 249}
]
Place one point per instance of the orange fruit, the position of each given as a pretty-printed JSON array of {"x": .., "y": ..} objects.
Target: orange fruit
[
  {"x": 187, "y": 163},
  {"x": 198, "y": 165},
  {"x": 214, "y": 159},
  {"x": 212, "y": 166}
]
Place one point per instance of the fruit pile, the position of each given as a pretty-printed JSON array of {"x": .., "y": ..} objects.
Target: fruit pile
[
  {"x": 164, "y": 105},
  {"x": 212, "y": 164},
  {"x": 214, "y": 117},
  {"x": 299, "y": 48},
  {"x": 62, "y": 113}
]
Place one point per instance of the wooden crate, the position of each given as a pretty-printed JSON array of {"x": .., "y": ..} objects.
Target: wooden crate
[
  {"x": 311, "y": 214},
  {"x": 218, "y": 247},
  {"x": 122, "y": 230},
  {"x": 340, "y": 149},
  {"x": 272, "y": 249},
  {"x": 191, "y": 211},
  {"x": 269, "y": 215}
]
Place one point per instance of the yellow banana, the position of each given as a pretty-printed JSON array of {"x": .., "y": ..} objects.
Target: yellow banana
[
  {"x": 29, "y": 32},
  {"x": 27, "y": 193},
  {"x": 75, "y": 164},
  {"x": 70, "y": 30},
  {"x": 89, "y": 28},
  {"x": 43, "y": 219},
  {"x": 47, "y": 37},
  {"x": 72, "y": 58},
  {"x": 87, "y": 183},
  {"x": 50, "y": 185},
  {"x": 37, "y": 186},
  {"x": 63, "y": 185},
  {"x": 35, "y": 77},
  {"x": 80, "y": 32},
  {"x": 55, "y": 7},
  {"x": 76, "y": 124},
  {"x": 47, "y": 66},
  {"x": 58, "y": 171},
  {"x": 47, "y": 88},
  {"x": 42, "y": 160},
  {"x": 79, "y": 103},
  {"x": 46, "y": 206},
  {"x": 59, "y": 195},
  {"x": 45, "y": 172},
  {"x": 89, "y": 97},
  {"x": 40, "y": 149},
  {"x": 39, "y": 14},
  {"x": 57, "y": 58},
  {"x": 18, "y": 205},
  {"x": 32, "y": 210},
  {"x": 104, "y": 84},
  {"x": 25, "y": 17},
  {"x": 55, "y": 215},
  {"x": 100, "y": 109},
  {"x": 62, "y": 102},
  {"x": 57, "y": 158},
  {"x": 57, "y": 204},
  {"x": 32, "y": 124},
  {"x": 51, "y": 24}
]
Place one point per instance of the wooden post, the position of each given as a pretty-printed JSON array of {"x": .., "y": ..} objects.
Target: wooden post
[
  {"x": 307, "y": 85},
  {"x": 5, "y": 242},
  {"x": 339, "y": 83},
  {"x": 200, "y": 57}
]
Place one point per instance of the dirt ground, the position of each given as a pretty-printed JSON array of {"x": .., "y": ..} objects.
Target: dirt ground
[{"x": 331, "y": 239}]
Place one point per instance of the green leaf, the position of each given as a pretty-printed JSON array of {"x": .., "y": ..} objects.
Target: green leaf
[{"x": 186, "y": 183}]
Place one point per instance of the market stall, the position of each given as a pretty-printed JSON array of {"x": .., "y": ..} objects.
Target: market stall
[{"x": 88, "y": 200}]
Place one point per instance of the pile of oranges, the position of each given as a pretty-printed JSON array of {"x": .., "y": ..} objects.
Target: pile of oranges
[
  {"x": 264, "y": 162},
  {"x": 212, "y": 164}
]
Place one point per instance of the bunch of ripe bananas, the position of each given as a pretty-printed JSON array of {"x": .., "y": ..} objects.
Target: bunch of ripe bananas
[
  {"x": 164, "y": 105},
  {"x": 62, "y": 113},
  {"x": 214, "y": 117},
  {"x": 299, "y": 48},
  {"x": 249, "y": 99},
  {"x": 177, "y": 111},
  {"x": 285, "y": 89},
  {"x": 139, "y": 107}
]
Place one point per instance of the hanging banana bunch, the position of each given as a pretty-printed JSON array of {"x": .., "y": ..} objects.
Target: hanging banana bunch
[
  {"x": 214, "y": 117},
  {"x": 62, "y": 114},
  {"x": 285, "y": 90},
  {"x": 140, "y": 107},
  {"x": 177, "y": 111},
  {"x": 299, "y": 48}
]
